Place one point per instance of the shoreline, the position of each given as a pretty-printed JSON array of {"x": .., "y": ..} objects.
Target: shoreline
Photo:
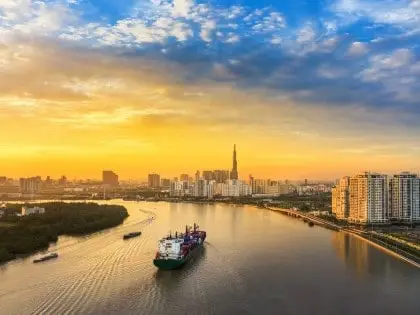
[
  {"x": 384, "y": 249},
  {"x": 317, "y": 221},
  {"x": 21, "y": 240},
  {"x": 330, "y": 226}
]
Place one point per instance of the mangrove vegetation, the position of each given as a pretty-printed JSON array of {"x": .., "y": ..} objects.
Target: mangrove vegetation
[{"x": 24, "y": 235}]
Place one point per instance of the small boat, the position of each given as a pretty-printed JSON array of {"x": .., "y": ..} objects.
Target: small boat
[
  {"x": 311, "y": 223},
  {"x": 131, "y": 235},
  {"x": 48, "y": 257}
]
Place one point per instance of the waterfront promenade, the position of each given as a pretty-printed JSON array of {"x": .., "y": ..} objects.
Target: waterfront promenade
[
  {"x": 311, "y": 218},
  {"x": 366, "y": 236}
]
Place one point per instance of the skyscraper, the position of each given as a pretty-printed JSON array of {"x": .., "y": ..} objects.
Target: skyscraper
[
  {"x": 234, "y": 172},
  {"x": 220, "y": 176},
  {"x": 154, "y": 180},
  {"x": 109, "y": 178},
  {"x": 208, "y": 175},
  {"x": 30, "y": 185}
]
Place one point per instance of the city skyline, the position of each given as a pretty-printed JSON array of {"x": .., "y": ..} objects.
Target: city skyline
[
  {"x": 233, "y": 173},
  {"x": 173, "y": 157},
  {"x": 306, "y": 91}
]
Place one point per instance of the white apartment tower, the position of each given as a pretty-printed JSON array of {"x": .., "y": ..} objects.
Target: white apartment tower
[
  {"x": 368, "y": 198},
  {"x": 404, "y": 197}
]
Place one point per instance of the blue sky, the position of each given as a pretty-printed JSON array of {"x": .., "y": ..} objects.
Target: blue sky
[
  {"x": 335, "y": 51},
  {"x": 341, "y": 73}
]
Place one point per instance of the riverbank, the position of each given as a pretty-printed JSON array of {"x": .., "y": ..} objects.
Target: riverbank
[
  {"x": 385, "y": 249},
  {"x": 413, "y": 260},
  {"x": 21, "y": 236}
]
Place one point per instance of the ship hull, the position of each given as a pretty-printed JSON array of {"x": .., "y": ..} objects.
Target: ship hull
[
  {"x": 128, "y": 236},
  {"x": 170, "y": 264}
]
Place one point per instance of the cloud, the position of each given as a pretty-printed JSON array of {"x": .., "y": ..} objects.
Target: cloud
[
  {"x": 182, "y": 7},
  {"x": 207, "y": 29},
  {"x": 358, "y": 48},
  {"x": 306, "y": 34},
  {"x": 384, "y": 66},
  {"x": 396, "y": 74},
  {"x": 187, "y": 43},
  {"x": 403, "y": 13},
  {"x": 33, "y": 18},
  {"x": 329, "y": 72}
]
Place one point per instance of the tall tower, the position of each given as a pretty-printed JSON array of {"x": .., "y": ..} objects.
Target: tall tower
[{"x": 234, "y": 172}]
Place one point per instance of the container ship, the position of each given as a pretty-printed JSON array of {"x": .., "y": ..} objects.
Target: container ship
[{"x": 174, "y": 251}]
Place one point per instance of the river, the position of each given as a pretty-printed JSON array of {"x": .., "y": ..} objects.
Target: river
[{"x": 255, "y": 262}]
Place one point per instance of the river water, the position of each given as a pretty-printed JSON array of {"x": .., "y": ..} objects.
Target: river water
[{"x": 254, "y": 262}]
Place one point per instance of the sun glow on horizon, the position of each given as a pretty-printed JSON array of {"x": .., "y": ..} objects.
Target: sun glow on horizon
[{"x": 142, "y": 94}]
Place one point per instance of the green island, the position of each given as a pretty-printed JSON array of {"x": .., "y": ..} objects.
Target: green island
[{"x": 24, "y": 235}]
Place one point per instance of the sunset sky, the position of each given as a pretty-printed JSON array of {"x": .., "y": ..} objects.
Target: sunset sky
[{"x": 305, "y": 88}]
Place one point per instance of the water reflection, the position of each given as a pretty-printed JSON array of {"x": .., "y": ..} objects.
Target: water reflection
[
  {"x": 253, "y": 262},
  {"x": 365, "y": 259}
]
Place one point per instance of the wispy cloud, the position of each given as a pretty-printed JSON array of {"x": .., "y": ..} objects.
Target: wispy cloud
[{"x": 349, "y": 71}]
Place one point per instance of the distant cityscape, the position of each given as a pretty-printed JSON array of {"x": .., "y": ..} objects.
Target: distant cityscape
[
  {"x": 361, "y": 199},
  {"x": 206, "y": 184}
]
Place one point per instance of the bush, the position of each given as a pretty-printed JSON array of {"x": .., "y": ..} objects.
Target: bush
[{"x": 35, "y": 232}]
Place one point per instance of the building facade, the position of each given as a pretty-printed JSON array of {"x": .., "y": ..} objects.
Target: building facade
[
  {"x": 208, "y": 175},
  {"x": 165, "y": 183},
  {"x": 179, "y": 189},
  {"x": 404, "y": 197},
  {"x": 235, "y": 188},
  {"x": 375, "y": 198},
  {"x": 154, "y": 180},
  {"x": 184, "y": 177},
  {"x": 341, "y": 198},
  {"x": 220, "y": 176},
  {"x": 368, "y": 196},
  {"x": 110, "y": 178},
  {"x": 30, "y": 185},
  {"x": 30, "y": 211}
]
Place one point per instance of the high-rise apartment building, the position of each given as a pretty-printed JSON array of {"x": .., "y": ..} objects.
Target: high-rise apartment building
[
  {"x": 154, "y": 180},
  {"x": 31, "y": 185},
  {"x": 404, "y": 197},
  {"x": 260, "y": 186},
  {"x": 62, "y": 181},
  {"x": 235, "y": 188},
  {"x": 200, "y": 188},
  {"x": 341, "y": 198},
  {"x": 368, "y": 198},
  {"x": 220, "y": 176},
  {"x": 109, "y": 178},
  {"x": 165, "y": 183},
  {"x": 184, "y": 177},
  {"x": 208, "y": 175}
]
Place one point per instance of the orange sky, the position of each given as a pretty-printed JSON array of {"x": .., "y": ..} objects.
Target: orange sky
[{"x": 76, "y": 112}]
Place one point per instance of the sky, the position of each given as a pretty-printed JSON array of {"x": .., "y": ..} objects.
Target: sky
[{"x": 304, "y": 88}]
